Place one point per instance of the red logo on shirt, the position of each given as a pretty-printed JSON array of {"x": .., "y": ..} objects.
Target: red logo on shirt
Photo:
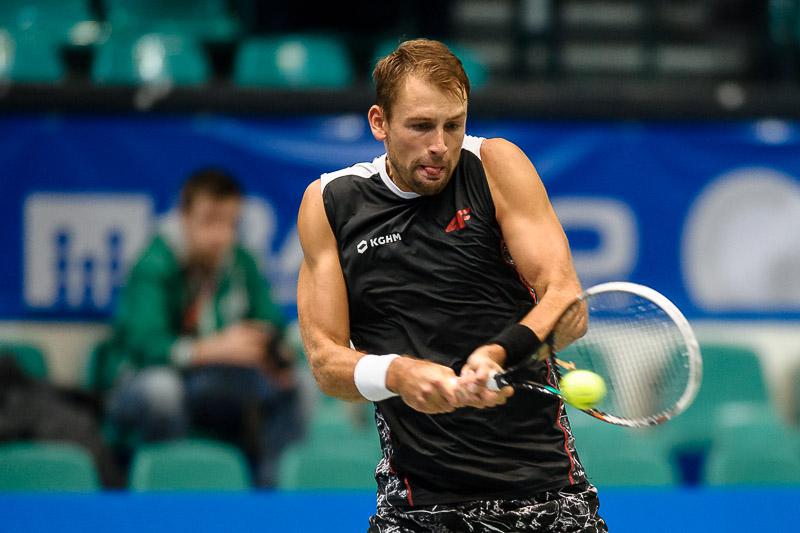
[{"x": 459, "y": 221}]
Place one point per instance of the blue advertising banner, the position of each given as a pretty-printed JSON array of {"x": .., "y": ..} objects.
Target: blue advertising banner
[{"x": 706, "y": 213}]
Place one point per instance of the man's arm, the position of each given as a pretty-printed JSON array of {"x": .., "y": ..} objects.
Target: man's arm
[
  {"x": 537, "y": 244},
  {"x": 532, "y": 232},
  {"x": 322, "y": 302},
  {"x": 325, "y": 324}
]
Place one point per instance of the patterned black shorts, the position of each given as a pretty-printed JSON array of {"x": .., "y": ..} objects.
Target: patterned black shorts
[{"x": 571, "y": 509}]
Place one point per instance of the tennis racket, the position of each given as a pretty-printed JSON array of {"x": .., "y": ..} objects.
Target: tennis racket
[{"x": 636, "y": 340}]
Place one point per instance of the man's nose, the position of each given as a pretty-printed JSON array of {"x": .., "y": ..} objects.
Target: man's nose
[{"x": 438, "y": 146}]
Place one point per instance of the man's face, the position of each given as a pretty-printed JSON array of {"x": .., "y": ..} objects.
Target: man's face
[
  {"x": 423, "y": 137},
  {"x": 210, "y": 226}
]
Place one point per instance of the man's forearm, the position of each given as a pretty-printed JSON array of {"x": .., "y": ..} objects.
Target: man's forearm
[
  {"x": 333, "y": 367},
  {"x": 554, "y": 300}
]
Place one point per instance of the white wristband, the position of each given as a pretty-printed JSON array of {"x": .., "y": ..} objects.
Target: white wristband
[{"x": 370, "y": 376}]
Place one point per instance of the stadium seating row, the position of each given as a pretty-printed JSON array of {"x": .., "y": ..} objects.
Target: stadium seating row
[
  {"x": 755, "y": 453},
  {"x": 730, "y": 435},
  {"x": 291, "y": 61},
  {"x": 33, "y": 35},
  {"x": 66, "y": 20},
  {"x": 182, "y": 465},
  {"x": 745, "y": 450},
  {"x": 201, "y": 464},
  {"x": 164, "y": 42}
]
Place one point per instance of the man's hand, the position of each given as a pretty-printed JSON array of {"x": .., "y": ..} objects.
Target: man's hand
[
  {"x": 424, "y": 386},
  {"x": 242, "y": 344},
  {"x": 571, "y": 326},
  {"x": 471, "y": 385}
]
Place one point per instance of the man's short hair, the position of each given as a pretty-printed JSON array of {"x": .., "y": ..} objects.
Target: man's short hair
[
  {"x": 431, "y": 60},
  {"x": 213, "y": 182}
]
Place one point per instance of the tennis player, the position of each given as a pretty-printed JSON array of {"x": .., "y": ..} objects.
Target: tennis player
[{"x": 409, "y": 297}]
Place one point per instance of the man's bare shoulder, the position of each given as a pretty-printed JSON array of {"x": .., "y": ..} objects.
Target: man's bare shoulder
[
  {"x": 505, "y": 162},
  {"x": 497, "y": 150},
  {"x": 309, "y": 214},
  {"x": 314, "y": 188}
]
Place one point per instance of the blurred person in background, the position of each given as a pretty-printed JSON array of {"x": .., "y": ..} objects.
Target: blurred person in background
[{"x": 198, "y": 326}]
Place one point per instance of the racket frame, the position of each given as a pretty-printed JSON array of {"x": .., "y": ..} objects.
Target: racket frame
[{"x": 499, "y": 380}]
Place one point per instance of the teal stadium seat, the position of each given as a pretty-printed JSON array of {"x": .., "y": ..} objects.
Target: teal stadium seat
[
  {"x": 761, "y": 452},
  {"x": 736, "y": 466},
  {"x": 150, "y": 58},
  {"x": 732, "y": 379},
  {"x": 784, "y": 22},
  {"x": 197, "y": 465},
  {"x": 731, "y": 375},
  {"x": 29, "y": 56},
  {"x": 745, "y": 416},
  {"x": 629, "y": 467},
  {"x": 338, "y": 454},
  {"x": 206, "y": 20},
  {"x": 293, "y": 61},
  {"x": 347, "y": 463},
  {"x": 55, "y": 18},
  {"x": 46, "y": 466},
  {"x": 751, "y": 427},
  {"x": 29, "y": 356},
  {"x": 320, "y": 468},
  {"x": 475, "y": 68},
  {"x": 616, "y": 456},
  {"x": 334, "y": 419}
]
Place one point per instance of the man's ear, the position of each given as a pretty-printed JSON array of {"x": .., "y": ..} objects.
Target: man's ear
[{"x": 377, "y": 122}]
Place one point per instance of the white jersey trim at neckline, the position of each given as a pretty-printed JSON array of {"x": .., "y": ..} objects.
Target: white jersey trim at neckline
[
  {"x": 378, "y": 165},
  {"x": 364, "y": 170},
  {"x": 380, "y": 162},
  {"x": 471, "y": 144}
]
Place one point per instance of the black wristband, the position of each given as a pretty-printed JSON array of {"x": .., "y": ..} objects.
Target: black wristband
[{"x": 519, "y": 342}]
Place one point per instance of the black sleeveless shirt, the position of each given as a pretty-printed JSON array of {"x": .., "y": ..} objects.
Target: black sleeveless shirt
[{"x": 430, "y": 276}]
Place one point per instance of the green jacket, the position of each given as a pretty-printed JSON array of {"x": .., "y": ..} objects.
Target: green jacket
[{"x": 147, "y": 324}]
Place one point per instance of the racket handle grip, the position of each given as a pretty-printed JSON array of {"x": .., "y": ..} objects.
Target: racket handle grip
[{"x": 491, "y": 383}]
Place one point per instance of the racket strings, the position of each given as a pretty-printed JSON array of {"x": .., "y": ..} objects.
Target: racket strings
[{"x": 637, "y": 349}]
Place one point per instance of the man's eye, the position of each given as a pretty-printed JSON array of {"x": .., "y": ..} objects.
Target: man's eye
[{"x": 421, "y": 127}]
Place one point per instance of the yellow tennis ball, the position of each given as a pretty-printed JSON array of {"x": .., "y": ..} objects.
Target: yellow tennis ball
[{"x": 582, "y": 388}]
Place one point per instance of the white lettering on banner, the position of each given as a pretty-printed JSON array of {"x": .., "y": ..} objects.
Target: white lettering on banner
[
  {"x": 78, "y": 246},
  {"x": 615, "y": 225},
  {"x": 741, "y": 243}
]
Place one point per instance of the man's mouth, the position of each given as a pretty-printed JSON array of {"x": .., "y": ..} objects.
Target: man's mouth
[{"x": 432, "y": 171}]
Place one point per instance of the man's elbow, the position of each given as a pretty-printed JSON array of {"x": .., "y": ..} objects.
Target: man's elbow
[
  {"x": 324, "y": 380},
  {"x": 583, "y": 321},
  {"x": 330, "y": 381},
  {"x": 334, "y": 388}
]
